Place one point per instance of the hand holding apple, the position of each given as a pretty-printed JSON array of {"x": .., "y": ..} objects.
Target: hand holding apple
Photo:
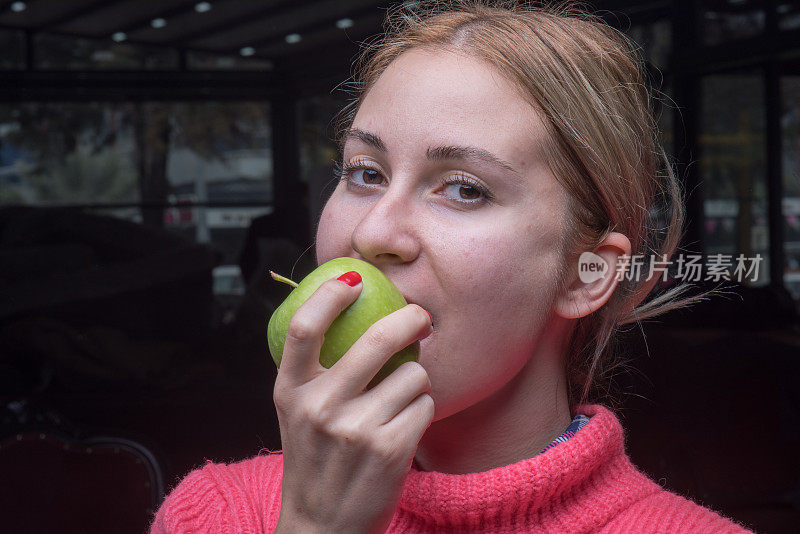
[{"x": 347, "y": 449}]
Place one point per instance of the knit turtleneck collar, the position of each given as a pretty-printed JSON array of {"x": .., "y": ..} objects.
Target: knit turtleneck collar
[{"x": 590, "y": 469}]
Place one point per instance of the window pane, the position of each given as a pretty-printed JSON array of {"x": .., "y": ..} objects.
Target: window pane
[
  {"x": 67, "y": 153},
  {"x": 218, "y": 153},
  {"x": 733, "y": 169},
  {"x": 790, "y": 121},
  {"x": 728, "y": 21},
  {"x": 72, "y": 53}
]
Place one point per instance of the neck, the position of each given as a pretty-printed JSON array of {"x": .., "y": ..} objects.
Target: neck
[{"x": 513, "y": 423}]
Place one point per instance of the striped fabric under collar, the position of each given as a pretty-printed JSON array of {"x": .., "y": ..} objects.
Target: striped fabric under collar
[{"x": 577, "y": 423}]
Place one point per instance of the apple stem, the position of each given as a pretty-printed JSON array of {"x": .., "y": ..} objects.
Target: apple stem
[{"x": 279, "y": 278}]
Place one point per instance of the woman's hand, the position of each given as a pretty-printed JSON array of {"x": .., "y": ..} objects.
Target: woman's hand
[{"x": 347, "y": 451}]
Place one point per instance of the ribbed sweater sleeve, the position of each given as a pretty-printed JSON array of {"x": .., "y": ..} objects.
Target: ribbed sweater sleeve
[{"x": 243, "y": 497}]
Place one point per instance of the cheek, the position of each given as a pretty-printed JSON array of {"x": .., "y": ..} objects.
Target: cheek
[
  {"x": 333, "y": 233},
  {"x": 500, "y": 291},
  {"x": 327, "y": 239},
  {"x": 502, "y": 267}
]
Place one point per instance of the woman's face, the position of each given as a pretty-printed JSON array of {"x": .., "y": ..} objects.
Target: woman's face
[{"x": 450, "y": 196}]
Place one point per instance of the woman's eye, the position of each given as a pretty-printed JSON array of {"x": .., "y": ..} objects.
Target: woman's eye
[
  {"x": 357, "y": 174},
  {"x": 367, "y": 176},
  {"x": 463, "y": 191}
]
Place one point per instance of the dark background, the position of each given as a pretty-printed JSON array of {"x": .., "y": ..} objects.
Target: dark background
[{"x": 156, "y": 158}]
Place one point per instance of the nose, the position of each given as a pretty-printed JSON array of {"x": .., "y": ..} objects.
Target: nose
[{"x": 386, "y": 233}]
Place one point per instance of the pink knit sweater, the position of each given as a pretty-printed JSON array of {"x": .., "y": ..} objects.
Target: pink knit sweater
[{"x": 586, "y": 484}]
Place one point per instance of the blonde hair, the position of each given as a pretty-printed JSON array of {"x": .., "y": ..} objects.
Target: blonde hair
[{"x": 586, "y": 80}]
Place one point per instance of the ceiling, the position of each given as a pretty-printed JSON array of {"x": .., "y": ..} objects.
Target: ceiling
[
  {"x": 291, "y": 42},
  {"x": 250, "y": 28},
  {"x": 272, "y": 30},
  {"x": 257, "y": 27}
]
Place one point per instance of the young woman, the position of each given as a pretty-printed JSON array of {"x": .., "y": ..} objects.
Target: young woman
[{"x": 487, "y": 149}]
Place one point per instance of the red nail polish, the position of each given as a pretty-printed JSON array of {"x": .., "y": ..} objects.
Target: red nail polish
[
  {"x": 429, "y": 315},
  {"x": 351, "y": 278}
]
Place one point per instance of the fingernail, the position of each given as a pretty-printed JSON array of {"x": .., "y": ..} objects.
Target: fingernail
[
  {"x": 429, "y": 315},
  {"x": 350, "y": 278}
]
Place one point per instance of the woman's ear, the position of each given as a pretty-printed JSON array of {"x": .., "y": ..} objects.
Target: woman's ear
[{"x": 594, "y": 278}]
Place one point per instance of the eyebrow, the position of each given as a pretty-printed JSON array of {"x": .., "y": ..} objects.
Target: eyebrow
[{"x": 438, "y": 153}]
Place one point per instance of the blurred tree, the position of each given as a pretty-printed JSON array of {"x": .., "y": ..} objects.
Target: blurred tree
[
  {"x": 212, "y": 129},
  {"x": 104, "y": 178}
]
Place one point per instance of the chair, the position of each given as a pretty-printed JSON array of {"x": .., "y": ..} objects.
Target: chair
[{"x": 55, "y": 483}]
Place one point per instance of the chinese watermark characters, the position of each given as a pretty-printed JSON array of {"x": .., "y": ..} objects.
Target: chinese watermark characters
[{"x": 689, "y": 267}]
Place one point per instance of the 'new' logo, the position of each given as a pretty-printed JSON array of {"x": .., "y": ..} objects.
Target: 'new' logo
[{"x": 591, "y": 267}]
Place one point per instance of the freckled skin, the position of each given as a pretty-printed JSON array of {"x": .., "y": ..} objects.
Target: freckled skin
[{"x": 486, "y": 273}]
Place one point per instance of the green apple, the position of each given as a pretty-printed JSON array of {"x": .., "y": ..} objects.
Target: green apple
[{"x": 378, "y": 298}]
